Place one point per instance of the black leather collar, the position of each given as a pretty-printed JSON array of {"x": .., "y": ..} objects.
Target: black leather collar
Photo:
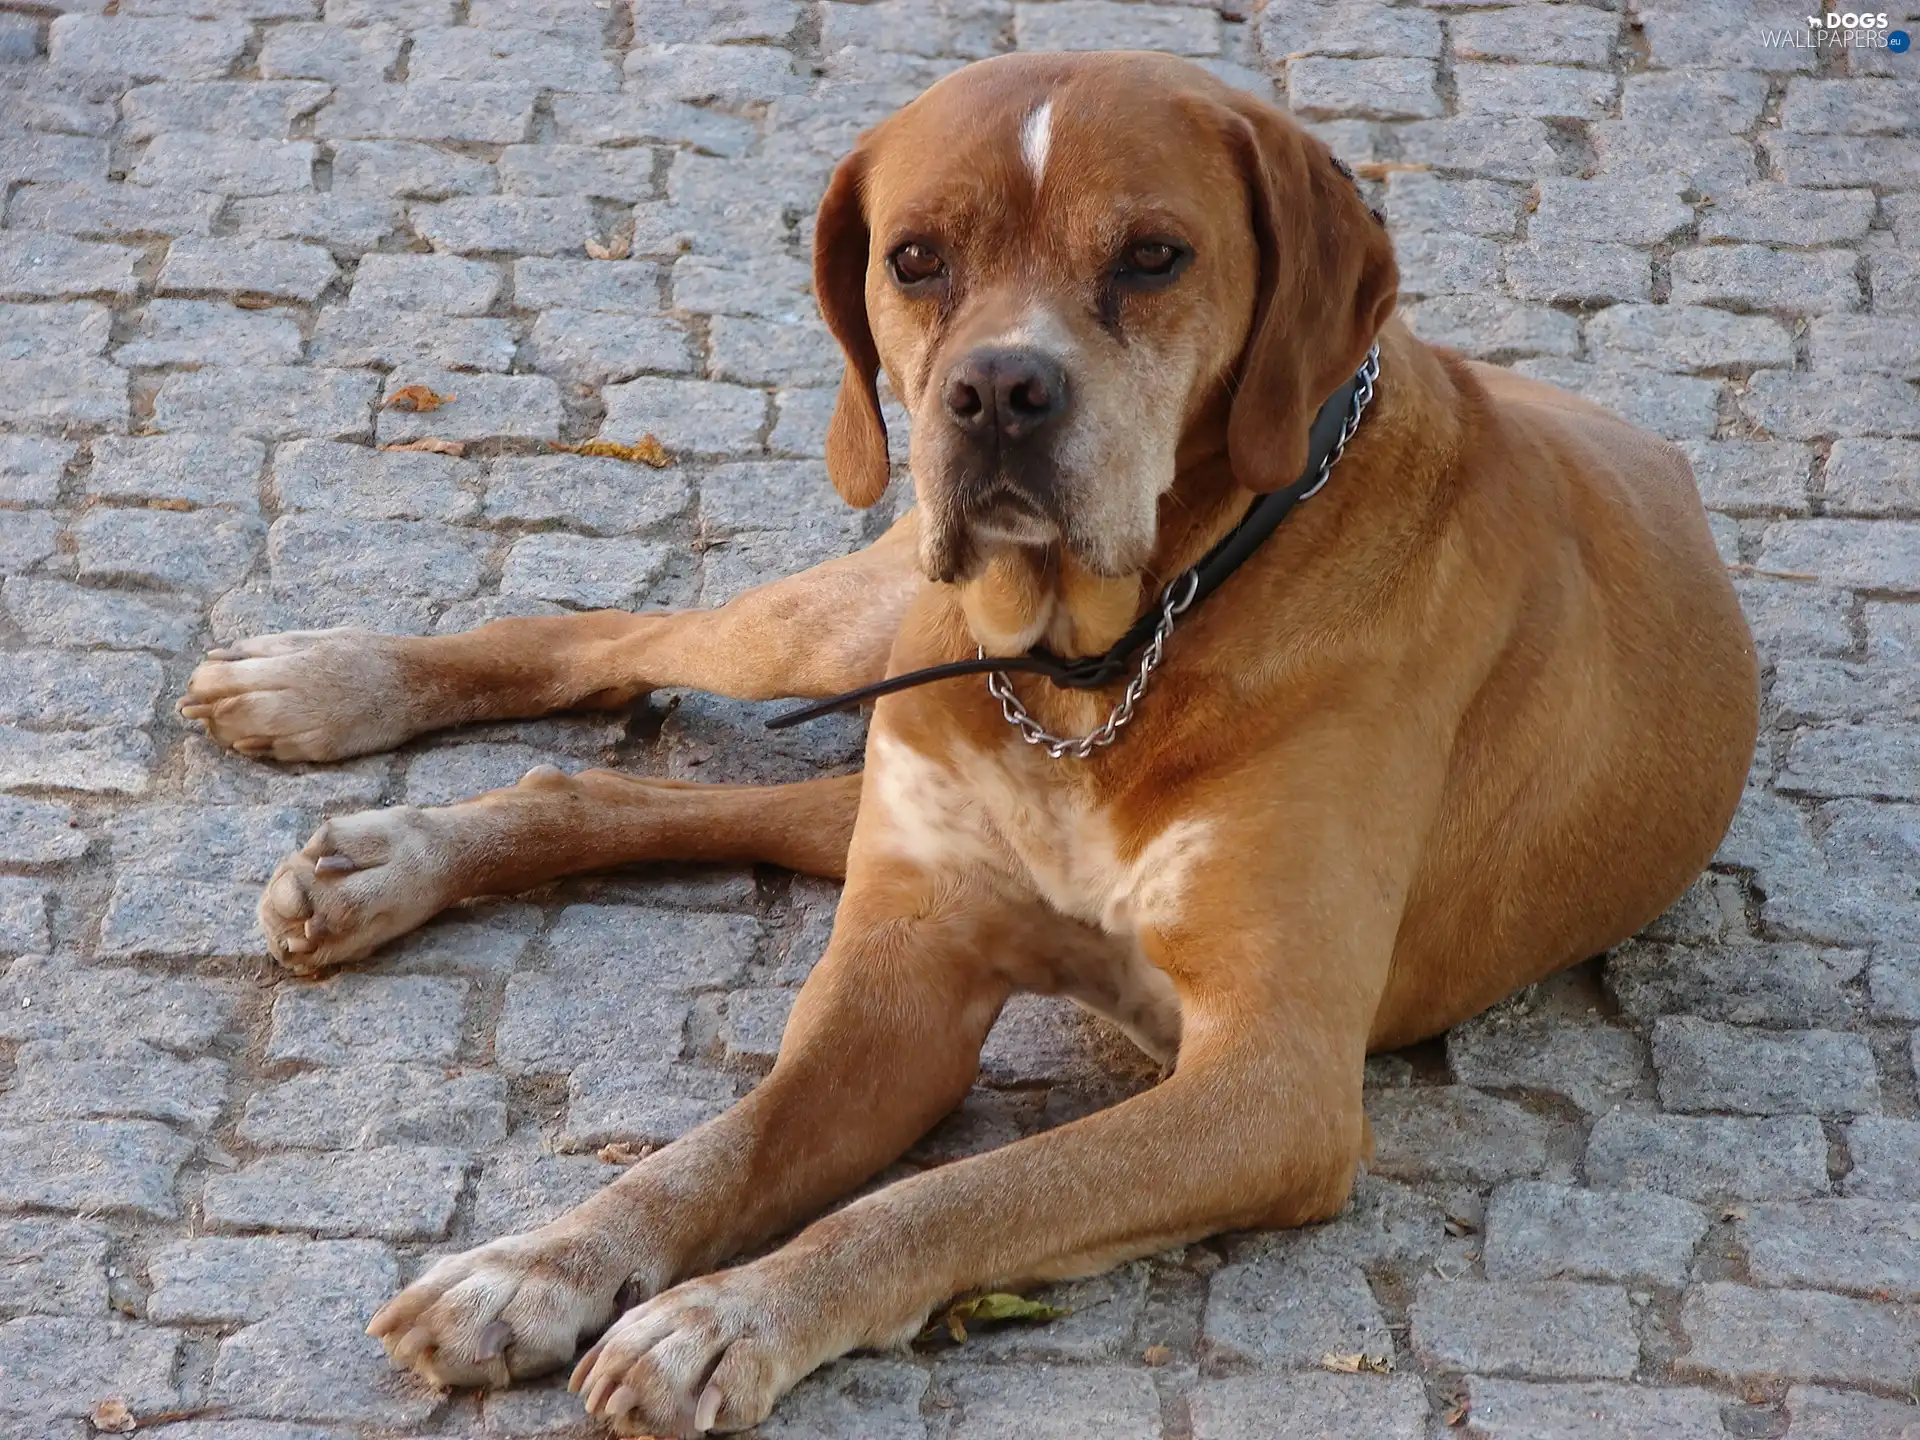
[{"x": 1090, "y": 672}]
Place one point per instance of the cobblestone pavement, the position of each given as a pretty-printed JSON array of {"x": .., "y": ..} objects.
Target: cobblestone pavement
[{"x": 1674, "y": 1194}]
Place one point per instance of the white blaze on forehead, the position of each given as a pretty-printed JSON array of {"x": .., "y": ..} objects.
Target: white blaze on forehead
[{"x": 1036, "y": 134}]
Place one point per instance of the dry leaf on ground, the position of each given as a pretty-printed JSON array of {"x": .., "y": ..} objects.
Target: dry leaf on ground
[
  {"x": 429, "y": 445},
  {"x": 995, "y": 1306},
  {"x": 1356, "y": 1364},
  {"x": 647, "y": 450},
  {"x": 1380, "y": 169},
  {"x": 112, "y": 1417},
  {"x": 618, "y": 248},
  {"x": 622, "y": 1153},
  {"x": 1156, "y": 1355},
  {"x": 417, "y": 398}
]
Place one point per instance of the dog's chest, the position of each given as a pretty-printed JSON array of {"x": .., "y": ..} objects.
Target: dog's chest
[{"x": 1003, "y": 813}]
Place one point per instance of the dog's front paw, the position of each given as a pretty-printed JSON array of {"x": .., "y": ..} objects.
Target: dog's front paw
[
  {"x": 359, "y": 882},
  {"x": 305, "y": 695},
  {"x": 510, "y": 1309},
  {"x": 715, "y": 1353}
]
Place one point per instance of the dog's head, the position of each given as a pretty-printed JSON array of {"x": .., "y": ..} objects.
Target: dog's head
[{"x": 1069, "y": 265}]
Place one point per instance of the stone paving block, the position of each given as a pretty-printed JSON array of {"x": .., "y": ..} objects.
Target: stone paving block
[
  {"x": 26, "y": 538},
  {"x": 228, "y": 1281},
  {"x": 731, "y": 75},
  {"x": 1709, "y": 1159},
  {"x": 1855, "y": 553},
  {"x": 207, "y": 842},
  {"x": 1316, "y": 1407},
  {"x": 590, "y": 574},
  {"x": 30, "y": 468},
  {"x": 1842, "y": 161},
  {"x": 360, "y": 1107},
  {"x": 1688, "y": 338},
  {"x": 1455, "y": 1133},
  {"x": 756, "y": 1019},
  {"x": 46, "y": 999},
  {"x": 374, "y": 557},
  {"x": 1786, "y": 215},
  {"x": 366, "y": 484},
  {"x": 1895, "y": 983},
  {"x": 365, "y": 1018},
  {"x": 93, "y": 1166},
  {"x": 483, "y": 407},
  {"x": 1538, "y": 1231},
  {"x": 520, "y": 1190},
  {"x": 58, "y": 1366},
  {"x": 1758, "y": 278},
  {"x": 51, "y": 159},
  {"x": 1750, "y": 984},
  {"x": 465, "y": 56},
  {"x": 648, "y": 1103},
  {"x": 59, "y": 395},
  {"x": 1723, "y": 36},
  {"x": 1739, "y": 1332},
  {"x": 1853, "y": 343},
  {"x": 23, "y": 916},
  {"x": 316, "y": 1367},
  {"x": 284, "y": 269},
  {"x": 443, "y": 777},
  {"x": 1821, "y": 1414},
  {"x": 361, "y": 335},
  {"x": 1704, "y": 1065},
  {"x": 38, "y": 832},
  {"x": 1052, "y": 1402},
  {"x": 1739, "y": 477},
  {"x": 38, "y": 266},
  {"x": 1351, "y": 28},
  {"x": 336, "y": 221},
  {"x": 54, "y": 688},
  {"x": 55, "y": 612},
  {"x": 407, "y": 169},
  {"x": 225, "y": 164},
  {"x": 1597, "y": 1067},
  {"x": 1808, "y": 690},
  {"x": 164, "y": 915},
  {"x": 271, "y": 402},
  {"x": 874, "y": 1398},
  {"x": 146, "y": 49},
  {"x": 1546, "y": 1328},
  {"x": 621, "y": 287},
  {"x": 1850, "y": 107},
  {"x": 603, "y": 496},
  {"x": 1862, "y": 1247},
  {"x": 665, "y": 22},
  {"x": 1677, "y": 407},
  {"x": 202, "y": 552},
  {"x": 685, "y": 415},
  {"x": 1286, "y": 1311},
  {"x": 108, "y": 760},
  {"x": 219, "y": 112},
  {"x": 1519, "y": 1410},
  {"x": 199, "y": 332},
  {"x": 53, "y": 1267},
  {"x": 77, "y": 330},
  {"x": 1536, "y": 91},
  {"x": 608, "y": 174},
  {"x": 1823, "y": 405},
  {"x": 1583, "y": 273},
  {"x": 1853, "y": 760},
  {"x": 633, "y": 119},
  {"x": 111, "y": 211},
  {"x": 397, "y": 1192},
  {"x": 438, "y": 284},
  {"x": 593, "y": 347},
  {"x": 519, "y": 224},
  {"x": 486, "y": 114},
  {"x": 221, "y": 470},
  {"x": 1383, "y": 89},
  {"x": 1435, "y": 263},
  {"x": 357, "y": 56},
  {"x": 110, "y": 1079},
  {"x": 1419, "y": 200}
]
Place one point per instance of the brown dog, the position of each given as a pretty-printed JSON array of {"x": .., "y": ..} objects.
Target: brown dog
[{"x": 1480, "y": 709}]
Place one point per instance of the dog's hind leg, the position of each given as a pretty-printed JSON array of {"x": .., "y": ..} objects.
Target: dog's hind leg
[
  {"x": 364, "y": 879},
  {"x": 331, "y": 694}
]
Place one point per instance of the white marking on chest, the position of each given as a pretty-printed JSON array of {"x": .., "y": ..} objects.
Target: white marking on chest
[
  {"x": 998, "y": 810},
  {"x": 1036, "y": 135}
]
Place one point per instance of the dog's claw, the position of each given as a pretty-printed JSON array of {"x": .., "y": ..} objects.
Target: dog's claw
[
  {"x": 493, "y": 1340},
  {"x": 333, "y": 865}
]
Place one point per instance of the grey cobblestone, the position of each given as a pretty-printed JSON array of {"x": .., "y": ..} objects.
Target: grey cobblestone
[{"x": 214, "y": 267}]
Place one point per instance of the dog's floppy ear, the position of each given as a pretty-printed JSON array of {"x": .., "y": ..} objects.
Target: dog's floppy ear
[
  {"x": 1327, "y": 284},
  {"x": 857, "y": 435}
]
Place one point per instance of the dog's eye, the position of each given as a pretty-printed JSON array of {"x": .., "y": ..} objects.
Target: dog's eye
[
  {"x": 915, "y": 264},
  {"x": 1147, "y": 264}
]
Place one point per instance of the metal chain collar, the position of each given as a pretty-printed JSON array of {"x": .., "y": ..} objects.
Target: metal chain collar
[{"x": 1173, "y": 601}]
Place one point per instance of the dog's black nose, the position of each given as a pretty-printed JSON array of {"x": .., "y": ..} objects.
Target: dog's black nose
[{"x": 1009, "y": 393}]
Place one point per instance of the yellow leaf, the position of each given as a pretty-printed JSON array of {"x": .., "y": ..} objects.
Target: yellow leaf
[
  {"x": 619, "y": 248},
  {"x": 112, "y": 1417},
  {"x": 418, "y": 398},
  {"x": 998, "y": 1306},
  {"x": 429, "y": 445},
  {"x": 647, "y": 450},
  {"x": 1356, "y": 1364}
]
